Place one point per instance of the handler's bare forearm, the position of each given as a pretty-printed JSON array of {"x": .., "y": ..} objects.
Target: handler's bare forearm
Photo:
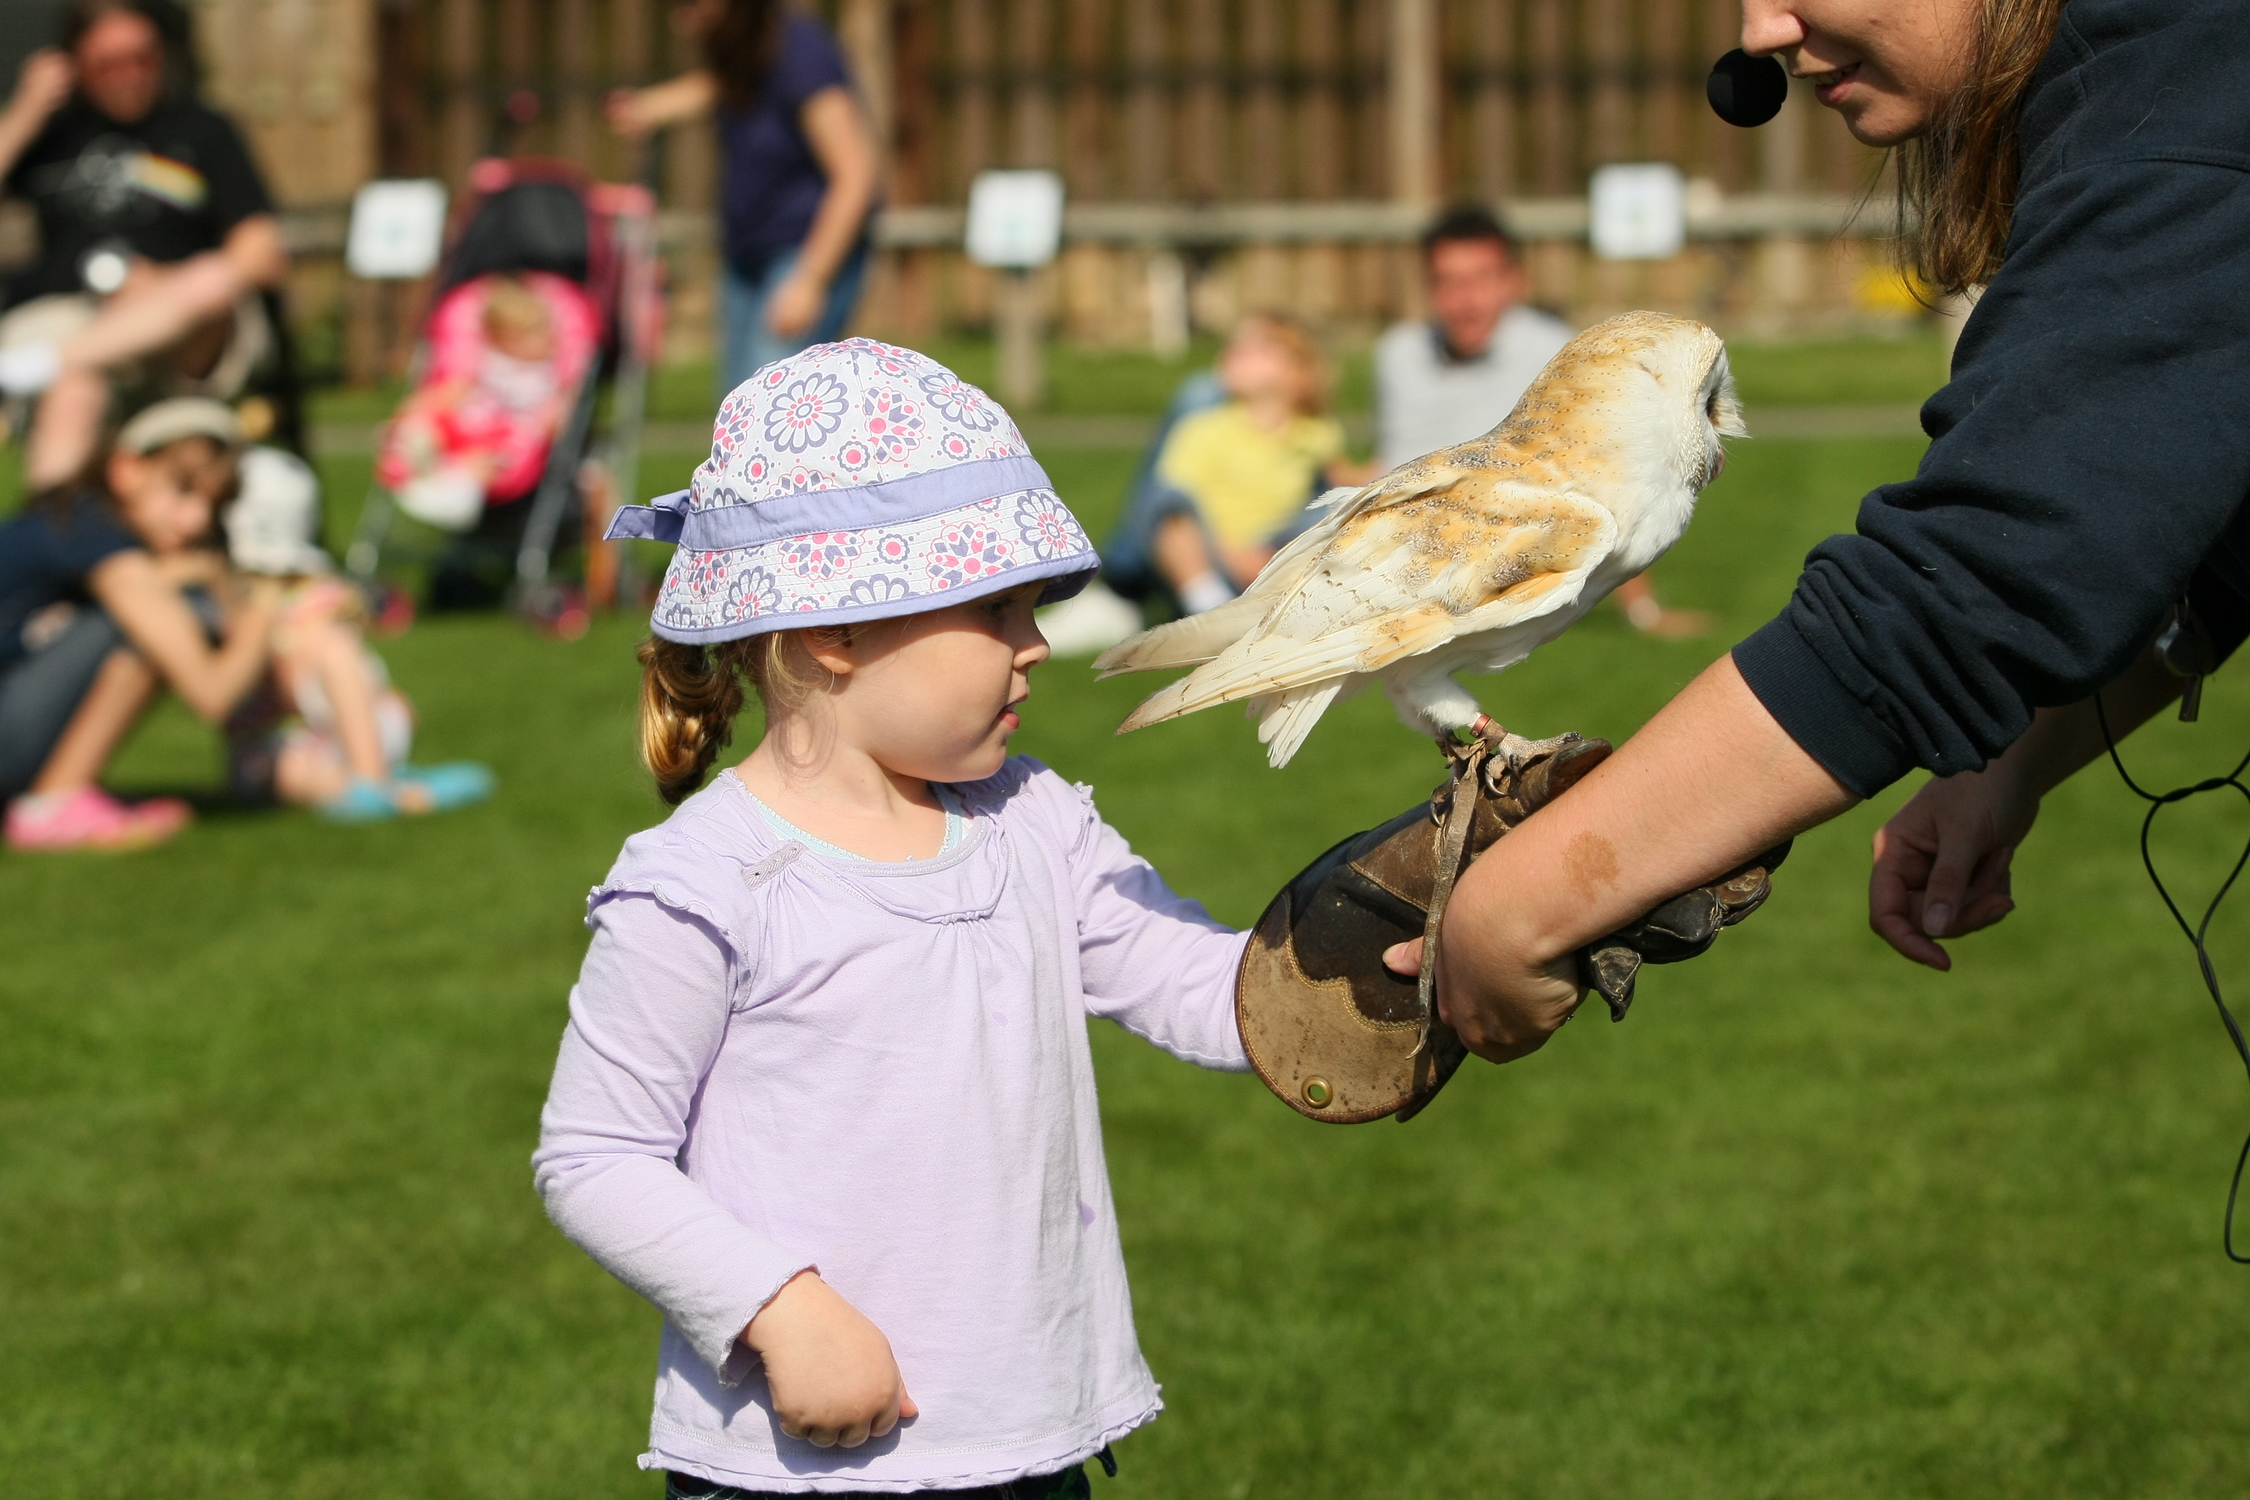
[{"x": 1710, "y": 781}]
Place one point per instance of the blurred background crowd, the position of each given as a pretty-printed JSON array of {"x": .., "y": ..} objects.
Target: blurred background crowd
[{"x": 211, "y": 215}]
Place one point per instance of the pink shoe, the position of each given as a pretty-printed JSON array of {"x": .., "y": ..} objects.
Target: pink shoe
[{"x": 90, "y": 818}]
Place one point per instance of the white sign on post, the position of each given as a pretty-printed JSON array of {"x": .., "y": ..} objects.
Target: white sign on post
[
  {"x": 1015, "y": 218},
  {"x": 1639, "y": 211},
  {"x": 398, "y": 229}
]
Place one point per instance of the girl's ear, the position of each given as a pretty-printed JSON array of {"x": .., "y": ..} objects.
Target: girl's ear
[{"x": 835, "y": 648}]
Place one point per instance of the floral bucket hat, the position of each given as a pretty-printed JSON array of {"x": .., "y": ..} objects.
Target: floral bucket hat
[{"x": 855, "y": 481}]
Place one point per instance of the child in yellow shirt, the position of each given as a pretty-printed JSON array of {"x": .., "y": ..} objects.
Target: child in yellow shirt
[{"x": 1249, "y": 467}]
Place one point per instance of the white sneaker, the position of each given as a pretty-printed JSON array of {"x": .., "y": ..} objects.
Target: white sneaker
[{"x": 1090, "y": 622}]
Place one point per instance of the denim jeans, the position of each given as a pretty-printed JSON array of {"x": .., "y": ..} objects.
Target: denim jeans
[
  {"x": 41, "y": 692},
  {"x": 747, "y": 343}
]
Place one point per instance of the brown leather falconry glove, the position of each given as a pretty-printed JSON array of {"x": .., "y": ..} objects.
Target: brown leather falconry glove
[{"x": 1335, "y": 1033}]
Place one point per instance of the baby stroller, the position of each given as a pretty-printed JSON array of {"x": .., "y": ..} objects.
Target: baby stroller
[{"x": 585, "y": 253}]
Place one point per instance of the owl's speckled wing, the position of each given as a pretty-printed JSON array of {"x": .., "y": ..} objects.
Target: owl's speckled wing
[{"x": 1427, "y": 556}]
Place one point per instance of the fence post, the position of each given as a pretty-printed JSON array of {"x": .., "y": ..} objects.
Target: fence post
[
  {"x": 579, "y": 92},
  {"x": 1414, "y": 101},
  {"x": 461, "y": 65},
  {"x": 1492, "y": 115}
]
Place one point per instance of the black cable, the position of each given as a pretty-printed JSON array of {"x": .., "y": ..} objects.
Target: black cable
[{"x": 2157, "y": 802}]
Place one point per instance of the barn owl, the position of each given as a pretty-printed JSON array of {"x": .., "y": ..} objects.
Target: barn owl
[{"x": 1472, "y": 557}]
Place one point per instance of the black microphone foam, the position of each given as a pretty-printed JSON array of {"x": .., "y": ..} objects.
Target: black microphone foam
[{"x": 1746, "y": 90}]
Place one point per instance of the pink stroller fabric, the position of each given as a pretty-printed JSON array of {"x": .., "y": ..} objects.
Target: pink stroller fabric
[{"x": 477, "y": 410}]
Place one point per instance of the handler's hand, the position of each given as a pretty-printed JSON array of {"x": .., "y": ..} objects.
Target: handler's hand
[
  {"x": 1507, "y": 1009},
  {"x": 834, "y": 1381},
  {"x": 1941, "y": 862}
]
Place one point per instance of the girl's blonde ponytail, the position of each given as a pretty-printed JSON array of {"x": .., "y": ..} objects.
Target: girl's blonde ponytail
[
  {"x": 691, "y": 694},
  {"x": 689, "y": 697}
]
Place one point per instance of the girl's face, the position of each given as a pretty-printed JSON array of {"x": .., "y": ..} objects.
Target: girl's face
[
  {"x": 1254, "y": 366},
  {"x": 167, "y": 497},
  {"x": 934, "y": 696},
  {"x": 1884, "y": 65}
]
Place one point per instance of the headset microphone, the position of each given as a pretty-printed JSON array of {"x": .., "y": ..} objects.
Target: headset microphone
[{"x": 1746, "y": 90}]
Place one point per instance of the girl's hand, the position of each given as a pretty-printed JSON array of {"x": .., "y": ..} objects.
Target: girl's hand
[
  {"x": 1941, "y": 862},
  {"x": 834, "y": 1381},
  {"x": 795, "y": 306}
]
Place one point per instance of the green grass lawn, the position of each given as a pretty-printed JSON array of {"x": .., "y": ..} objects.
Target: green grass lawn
[{"x": 1814, "y": 1223}]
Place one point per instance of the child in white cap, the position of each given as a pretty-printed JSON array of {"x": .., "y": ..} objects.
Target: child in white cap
[
  {"x": 332, "y": 733},
  {"x": 825, "y": 1096}
]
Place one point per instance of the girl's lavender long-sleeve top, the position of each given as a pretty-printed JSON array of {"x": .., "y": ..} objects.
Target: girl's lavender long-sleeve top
[{"x": 778, "y": 1060}]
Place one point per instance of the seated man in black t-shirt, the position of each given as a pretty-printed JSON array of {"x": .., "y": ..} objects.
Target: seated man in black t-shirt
[{"x": 155, "y": 235}]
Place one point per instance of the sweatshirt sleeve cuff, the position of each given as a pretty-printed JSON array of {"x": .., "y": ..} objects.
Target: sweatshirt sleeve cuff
[
  {"x": 719, "y": 1340},
  {"x": 1818, "y": 712}
]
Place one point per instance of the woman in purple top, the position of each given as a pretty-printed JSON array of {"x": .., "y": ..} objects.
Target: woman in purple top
[
  {"x": 797, "y": 181},
  {"x": 825, "y": 1096}
]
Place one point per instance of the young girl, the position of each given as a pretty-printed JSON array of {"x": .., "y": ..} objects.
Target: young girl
[
  {"x": 1248, "y": 467},
  {"x": 825, "y": 1096},
  {"x": 330, "y": 732}
]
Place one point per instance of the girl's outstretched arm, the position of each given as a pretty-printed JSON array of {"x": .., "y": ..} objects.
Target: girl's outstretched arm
[{"x": 1153, "y": 961}]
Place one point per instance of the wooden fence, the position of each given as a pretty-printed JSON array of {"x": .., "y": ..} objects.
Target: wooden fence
[{"x": 1249, "y": 151}]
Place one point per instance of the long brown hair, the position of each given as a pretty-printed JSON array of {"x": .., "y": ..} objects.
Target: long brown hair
[
  {"x": 1957, "y": 180},
  {"x": 739, "y": 47},
  {"x": 690, "y": 696}
]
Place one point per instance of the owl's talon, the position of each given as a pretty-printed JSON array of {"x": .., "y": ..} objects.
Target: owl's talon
[{"x": 1521, "y": 753}]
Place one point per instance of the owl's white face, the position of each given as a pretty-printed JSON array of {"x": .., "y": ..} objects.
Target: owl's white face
[{"x": 1699, "y": 405}]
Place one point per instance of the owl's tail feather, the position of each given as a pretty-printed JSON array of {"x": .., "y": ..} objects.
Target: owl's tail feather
[
  {"x": 1183, "y": 643},
  {"x": 1284, "y": 726}
]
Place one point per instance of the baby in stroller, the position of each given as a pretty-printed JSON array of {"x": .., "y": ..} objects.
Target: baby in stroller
[
  {"x": 329, "y": 731},
  {"x": 506, "y": 356}
]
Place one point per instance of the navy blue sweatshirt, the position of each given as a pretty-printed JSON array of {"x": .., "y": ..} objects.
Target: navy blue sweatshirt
[{"x": 2090, "y": 458}]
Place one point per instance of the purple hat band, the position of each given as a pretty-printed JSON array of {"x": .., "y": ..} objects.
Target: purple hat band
[{"x": 916, "y": 497}]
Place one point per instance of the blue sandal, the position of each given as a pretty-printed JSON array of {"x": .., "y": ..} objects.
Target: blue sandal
[
  {"x": 362, "y": 801},
  {"x": 452, "y": 784},
  {"x": 459, "y": 783}
]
